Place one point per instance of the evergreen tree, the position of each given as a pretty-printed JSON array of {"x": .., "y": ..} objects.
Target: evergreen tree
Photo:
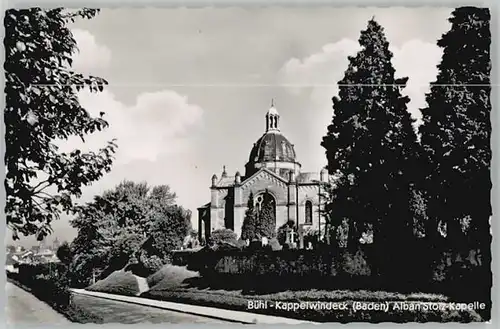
[
  {"x": 267, "y": 217},
  {"x": 456, "y": 136},
  {"x": 372, "y": 146},
  {"x": 456, "y": 131},
  {"x": 248, "y": 229}
]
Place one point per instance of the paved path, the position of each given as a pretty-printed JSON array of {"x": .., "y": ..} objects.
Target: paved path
[
  {"x": 111, "y": 311},
  {"x": 24, "y": 308},
  {"x": 203, "y": 311}
]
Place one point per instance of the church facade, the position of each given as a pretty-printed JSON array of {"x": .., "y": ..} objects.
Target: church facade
[{"x": 273, "y": 168}]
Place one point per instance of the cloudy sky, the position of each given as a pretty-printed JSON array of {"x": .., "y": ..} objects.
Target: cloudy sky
[{"x": 189, "y": 88}]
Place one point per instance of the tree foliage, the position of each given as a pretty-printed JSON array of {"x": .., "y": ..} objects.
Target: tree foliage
[
  {"x": 456, "y": 136},
  {"x": 267, "y": 217},
  {"x": 284, "y": 230},
  {"x": 371, "y": 144},
  {"x": 223, "y": 236},
  {"x": 259, "y": 223},
  {"x": 168, "y": 230},
  {"x": 249, "y": 228},
  {"x": 456, "y": 131},
  {"x": 64, "y": 254},
  {"x": 131, "y": 221},
  {"x": 42, "y": 107}
]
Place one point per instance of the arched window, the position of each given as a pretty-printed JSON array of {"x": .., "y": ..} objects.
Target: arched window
[
  {"x": 258, "y": 202},
  {"x": 308, "y": 212},
  {"x": 261, "y": 198},
  {"x": 283, "y": 148}
]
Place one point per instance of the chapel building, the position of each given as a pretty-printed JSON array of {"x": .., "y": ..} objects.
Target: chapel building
[{"x": 272, "y": 167}]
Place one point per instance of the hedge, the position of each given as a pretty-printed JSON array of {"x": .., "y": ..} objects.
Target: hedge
[
  {"x": 459, "y": 277},
  {"x": 119, "y": 282},
  {"x": 48, "y": 282}
]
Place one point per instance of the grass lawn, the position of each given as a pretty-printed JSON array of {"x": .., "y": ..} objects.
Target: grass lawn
[
  {"x": 236, "y": 300},
  {"x": 177, "y": 284},
  {"x": 119, "y": 282},
  {"x": 110, "y": 311},
  {"x": 77, "y": 313}
]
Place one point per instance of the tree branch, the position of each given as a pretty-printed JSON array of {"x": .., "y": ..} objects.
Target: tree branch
[{"x": 38, "y": 185}]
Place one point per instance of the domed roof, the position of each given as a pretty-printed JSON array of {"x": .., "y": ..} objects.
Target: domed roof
[{"x": 272, "y": 146}]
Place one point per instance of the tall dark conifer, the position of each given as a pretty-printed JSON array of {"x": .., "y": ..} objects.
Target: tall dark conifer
[
  {"x": 456, "y": 137},
  {"x": 456, "y": 131},
  {"x": 267, "y": 217},
  {"x": 371, "y": 143},
  {"x": 249, "y": 227}
]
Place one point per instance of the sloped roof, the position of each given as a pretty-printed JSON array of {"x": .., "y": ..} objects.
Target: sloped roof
[
  {"x": 263, "y": 170},
  {"x": 205, "y": 206},
  {"x": 225, "y": 181},
  {"x": 307, "y": 177}
]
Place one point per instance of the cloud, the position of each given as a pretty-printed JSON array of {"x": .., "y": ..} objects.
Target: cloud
[
  {"x": 158, "y": 123},
  {"x": 418, "y": 61},
  {"x": 306, "y": 71},
  {"x": 319, "y": 73},
  {"x": 90, "y": 55},
  {"x": 315, "y": 78},
  {"x": 155, "y": 133}
]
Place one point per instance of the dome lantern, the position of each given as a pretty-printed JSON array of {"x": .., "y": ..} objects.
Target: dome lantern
[
  {"x": 272, "y": 119},
  {"x": 272, "y": 149}
]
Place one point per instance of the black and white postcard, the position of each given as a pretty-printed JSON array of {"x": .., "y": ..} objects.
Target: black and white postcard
[{"x": 254, "y": 165}]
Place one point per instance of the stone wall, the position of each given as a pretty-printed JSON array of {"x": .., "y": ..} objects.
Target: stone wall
[{"x": 285, "y": 210}]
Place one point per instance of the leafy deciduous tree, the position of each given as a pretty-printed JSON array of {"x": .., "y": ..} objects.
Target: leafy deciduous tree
[
  {"x": 64, "y": 254},
  {"x": 42, "y": 106},
  {"x": 131, "y": 221}
]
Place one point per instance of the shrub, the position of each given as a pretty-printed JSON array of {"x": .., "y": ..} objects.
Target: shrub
[
  {"x": 64, "y": 254},
  {"x": 255, "y": 245},
  {"x": 355, "y": 264},
  {"x": 53, "y": 289},
  {"x": 223, "y": 235},
  {"x": 147, "y": 265},
  {"x": 282, "y": 231},
  {"x": 48, "y": 282},
  {"x": 122, "y": 283},
  {"x": 170, "y": 277},
  {"x": 183, "y": 257},
  {"x": 236, "y": 300},
  {"x": 241, "y": 244}
]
